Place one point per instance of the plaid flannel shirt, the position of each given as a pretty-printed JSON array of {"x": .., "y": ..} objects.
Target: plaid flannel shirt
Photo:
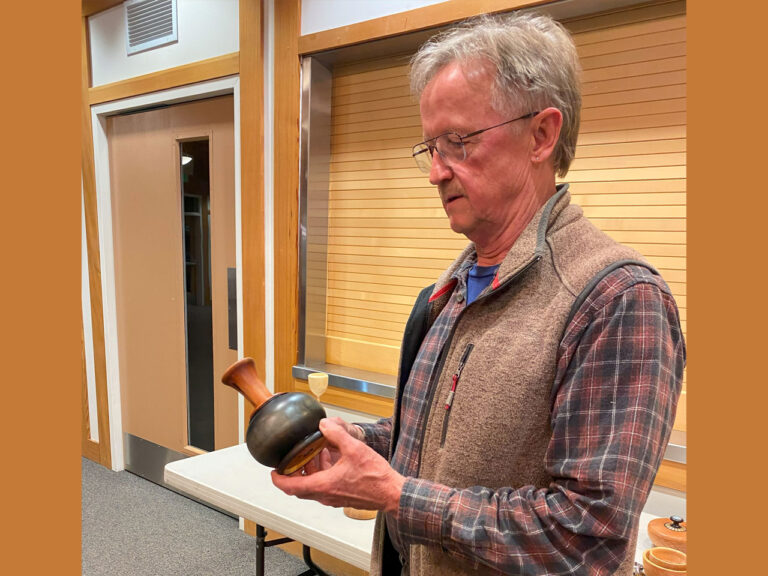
[{"x": 610, "y": 420}]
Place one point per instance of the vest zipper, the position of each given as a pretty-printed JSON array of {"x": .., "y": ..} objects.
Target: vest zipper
[
  {"x": 444, "y": 353},
  {"x": 454, "y": 383}
]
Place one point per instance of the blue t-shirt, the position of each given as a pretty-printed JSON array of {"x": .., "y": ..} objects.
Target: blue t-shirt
[{"x": 479, "y": 277}]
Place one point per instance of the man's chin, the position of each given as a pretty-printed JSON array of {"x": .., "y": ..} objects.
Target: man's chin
[{"x": 457, "y": 226}]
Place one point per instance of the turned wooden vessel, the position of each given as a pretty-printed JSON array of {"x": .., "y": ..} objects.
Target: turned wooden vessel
[
  {"x": 664, "y": 562},
  {"x": 669, "y": 532},
  {"x": 359, "y": 514},
  {"x": 283, "y": 428}
]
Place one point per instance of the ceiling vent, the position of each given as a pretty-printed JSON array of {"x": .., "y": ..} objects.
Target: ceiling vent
[{"x": 149, "y": 24}]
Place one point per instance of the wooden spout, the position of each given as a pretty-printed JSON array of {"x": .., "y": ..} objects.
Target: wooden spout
[{"x": 242, "y": 377}]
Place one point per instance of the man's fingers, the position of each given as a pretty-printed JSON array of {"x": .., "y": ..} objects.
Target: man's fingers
[
  {"x": 325, "y": 459},
  {"x": 305, "y": 487},
  {"x": 335, "y": 433},
  {"x": 287, "y": 483},
  {"x": 310, "y": 467},
  {"x": 317, "y": 463}
]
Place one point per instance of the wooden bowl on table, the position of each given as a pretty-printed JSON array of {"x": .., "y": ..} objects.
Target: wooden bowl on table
[
  {"x": 664, "y": 562},
  {"x": 668, "y": 558},
  {"x": 669, "y": 532}
]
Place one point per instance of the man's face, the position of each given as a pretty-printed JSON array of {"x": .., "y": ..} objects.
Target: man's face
[{"x": 481, "y": 194}]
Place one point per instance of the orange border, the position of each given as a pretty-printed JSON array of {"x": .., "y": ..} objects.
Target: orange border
[
  {"x": 727, "y": 311},
  {"x": 726, "y": 208},
  {"x": 41, "y": 288}
]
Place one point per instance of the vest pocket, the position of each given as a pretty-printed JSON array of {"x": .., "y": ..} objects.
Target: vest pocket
[{"x": 452, "y": 393}]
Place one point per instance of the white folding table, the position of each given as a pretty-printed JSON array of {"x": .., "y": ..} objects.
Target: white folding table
[{"x": 232, "y": 480}]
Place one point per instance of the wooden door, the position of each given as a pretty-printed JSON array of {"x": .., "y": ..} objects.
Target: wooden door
[{"x": 154, "y": 198}]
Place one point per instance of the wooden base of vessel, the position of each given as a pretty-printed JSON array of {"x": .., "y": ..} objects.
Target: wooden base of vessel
[{"x": 357, "y": 514}]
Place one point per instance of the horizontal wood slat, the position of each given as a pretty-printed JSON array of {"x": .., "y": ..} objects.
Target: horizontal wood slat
[
  {"x": 652, "y": 107},
  {"x": 369, "y": 333},
  {"x": 436, "y": 264},
  {"x": 366, "y": 355},
  {"x": 425, "y": 277},
  {"x": 411, "y": 133},
  {"x": 347, "y": 76},
  {"x": 373, "y": 95},
  {"x": 378, "y": 124},
  {"x": 659, "y": 23},
  {"x": 636, "y": 69},
  {"x": 387, "y": 232},
  {"x": 633, "y": 56},
  {"x": 379, "y": 114},
  {"x": 636, "y": 135},
  {"x": 632, "y": 43},
  {"x": 401, "y": 102},
  {"x": 619, "y": 23},
  {"x": 368, "y": 241},
  {"x": 374, "y": 85},
  {"x": 367, "y": 315},
  {"x": 414, "y": 223},
  {"x": 403, "y": 167},
  {"x": 356, "y": 304},
  {"x": 631, "y": 148},
  {"x": 620, "y": 84}
]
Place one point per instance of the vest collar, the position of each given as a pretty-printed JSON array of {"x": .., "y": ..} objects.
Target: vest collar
[{"x": 529, "y": 247}]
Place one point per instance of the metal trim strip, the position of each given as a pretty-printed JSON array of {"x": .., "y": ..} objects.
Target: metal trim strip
[
  {"x": 676, "y": 453},
  {"x": 147, "y": 460}
]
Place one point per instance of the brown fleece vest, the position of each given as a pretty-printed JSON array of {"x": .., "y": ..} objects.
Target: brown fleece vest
[{"x": 498, "y": 428}]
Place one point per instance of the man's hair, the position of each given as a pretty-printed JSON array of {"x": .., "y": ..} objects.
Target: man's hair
[{"x": 535, "y": 62}]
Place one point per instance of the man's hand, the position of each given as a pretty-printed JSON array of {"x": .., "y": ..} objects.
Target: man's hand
[
  {"x": 329, "y": 455},
  {"x": 348, "y": 473}
]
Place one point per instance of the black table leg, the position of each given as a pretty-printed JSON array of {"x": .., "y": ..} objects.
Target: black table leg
[
  {"x": 262, "y": 544},
  {"x": 260, "y": 538},
  {"x": 313, "y": 568}
]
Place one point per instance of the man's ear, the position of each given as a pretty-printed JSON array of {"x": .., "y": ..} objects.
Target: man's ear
[{"x": 546, "y": 132}]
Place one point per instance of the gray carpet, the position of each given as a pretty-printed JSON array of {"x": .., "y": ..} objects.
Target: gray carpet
[{"x": 132, "y": 527}]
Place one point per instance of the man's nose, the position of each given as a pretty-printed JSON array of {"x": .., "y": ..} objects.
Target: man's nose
[{"x": 439, "y": 171}]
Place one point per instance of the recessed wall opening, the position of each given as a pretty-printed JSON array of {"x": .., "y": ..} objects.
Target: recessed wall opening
[{"x": 373, "y": 231}]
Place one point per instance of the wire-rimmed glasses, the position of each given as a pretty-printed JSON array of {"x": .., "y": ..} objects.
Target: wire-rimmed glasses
[{"x": 450, "y": 146}]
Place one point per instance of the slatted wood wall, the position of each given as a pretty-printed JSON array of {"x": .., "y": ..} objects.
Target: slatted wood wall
[{"x": 388, "y": 235}]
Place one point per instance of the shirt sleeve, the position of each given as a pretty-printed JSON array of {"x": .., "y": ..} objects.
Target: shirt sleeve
[
  {"x": 378, "y": 435},
  {"x": 619, "y": 375}
]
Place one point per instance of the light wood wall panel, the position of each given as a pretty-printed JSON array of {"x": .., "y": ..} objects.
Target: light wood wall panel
[
  {"x": 90, "y": 208},
  {"x": 286, "y": 190},
  {"x": 387, "y": 233},
  {"x": 251, "y": 70}
]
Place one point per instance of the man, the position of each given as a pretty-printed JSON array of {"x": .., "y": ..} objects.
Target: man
[{"x": 540, "y": 375}]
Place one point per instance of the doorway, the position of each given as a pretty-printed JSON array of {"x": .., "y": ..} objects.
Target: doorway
[{"x": 173, "y": 219}]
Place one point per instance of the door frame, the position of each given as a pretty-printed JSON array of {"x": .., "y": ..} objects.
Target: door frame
[{"x": 99, "y": 115}]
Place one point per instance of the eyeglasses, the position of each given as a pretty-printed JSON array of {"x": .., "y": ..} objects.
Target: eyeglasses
[{"x": 450, "y": 146}]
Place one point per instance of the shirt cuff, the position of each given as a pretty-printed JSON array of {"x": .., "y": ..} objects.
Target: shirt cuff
[
  {"x": 375, "y": 437},
  {"x": 422, "y": 511}
]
